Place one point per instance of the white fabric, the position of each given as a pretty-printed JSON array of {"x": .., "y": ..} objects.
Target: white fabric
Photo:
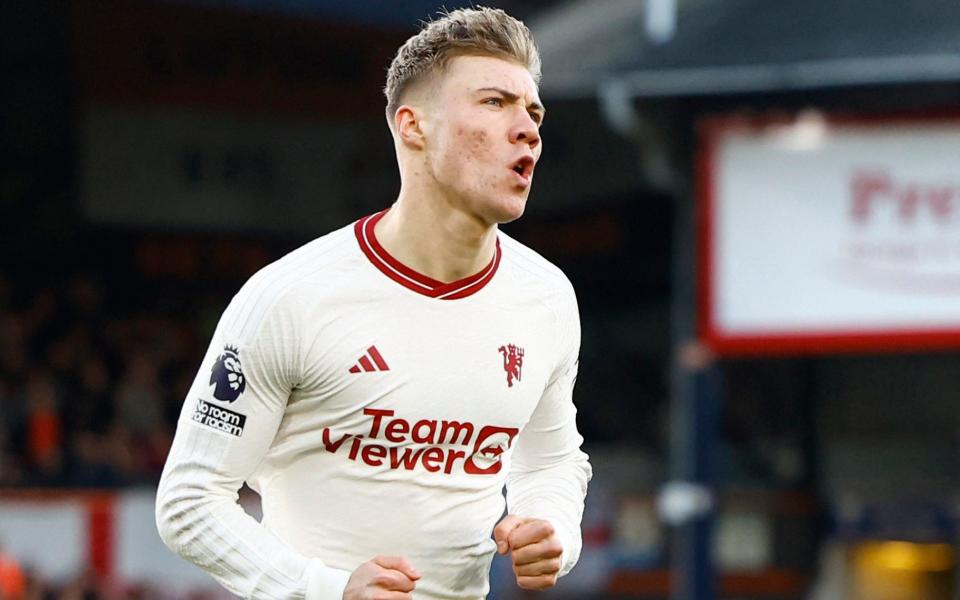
[{"x": 355, "y": 464}]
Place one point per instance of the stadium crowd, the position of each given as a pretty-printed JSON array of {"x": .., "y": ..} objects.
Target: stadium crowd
[{"x": 88, "y": 395}]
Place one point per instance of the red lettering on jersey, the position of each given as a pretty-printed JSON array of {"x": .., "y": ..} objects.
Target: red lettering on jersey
[
  {"x": 456, "y": 427},
  {"x": 333, "y": 446},
  {"x": 377, "y": 415},
  {"x": 408, "y": 459},
  {"x": 434, "y": 438},
  {"x": 432, "y": 459},
  {"x": 354, "y": 447},
  {"x": 431, "y": 431},
  {"x": 452, "y": 456},
  {"x": 372, "y": 454},
  {"x": 491, "y": 443},
  {"x": 396, "y": 430}
]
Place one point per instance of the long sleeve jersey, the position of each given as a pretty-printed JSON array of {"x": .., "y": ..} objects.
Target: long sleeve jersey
[{"x": 378, "y": 412}]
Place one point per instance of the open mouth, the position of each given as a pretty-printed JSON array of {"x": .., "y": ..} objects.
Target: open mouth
[{"x": 524, "y": 167}]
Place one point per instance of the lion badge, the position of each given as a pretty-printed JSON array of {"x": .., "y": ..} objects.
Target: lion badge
[{"x": 227, "y": 375}]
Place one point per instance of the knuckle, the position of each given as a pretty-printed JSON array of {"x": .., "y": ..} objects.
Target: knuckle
[
  {"x": 542, "y": 582},
  {"x": 403, "y": 584},
  {"x": 530, "y": 583}
]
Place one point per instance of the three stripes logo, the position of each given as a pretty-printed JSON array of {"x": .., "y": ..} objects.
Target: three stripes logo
[{"x": 370, "y": 362}]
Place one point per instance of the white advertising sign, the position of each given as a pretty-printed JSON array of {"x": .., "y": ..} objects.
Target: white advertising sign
[
  {"x": 824, "y": 236},
  {"x": 48, "y": 536}
]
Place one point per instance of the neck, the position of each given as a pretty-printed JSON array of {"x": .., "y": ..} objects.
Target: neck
[{"x": 423, "y": 231}]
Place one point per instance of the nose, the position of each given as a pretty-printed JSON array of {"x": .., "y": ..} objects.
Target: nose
[{"x": 525, "y": 130}]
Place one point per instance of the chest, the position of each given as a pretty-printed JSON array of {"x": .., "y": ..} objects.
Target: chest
[{"x": 483, "y": 364}]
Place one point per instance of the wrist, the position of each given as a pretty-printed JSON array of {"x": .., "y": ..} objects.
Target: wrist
[{"x": 325, "y": 583}]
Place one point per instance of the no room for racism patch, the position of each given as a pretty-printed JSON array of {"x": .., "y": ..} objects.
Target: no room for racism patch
[{"x": 218, "y": 418}]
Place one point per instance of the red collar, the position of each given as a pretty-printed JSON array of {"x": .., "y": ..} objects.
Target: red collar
[{"x": 418, "y": 282}]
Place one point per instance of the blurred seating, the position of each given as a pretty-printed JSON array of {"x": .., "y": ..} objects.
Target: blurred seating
[{"x": 89, "y": 391}]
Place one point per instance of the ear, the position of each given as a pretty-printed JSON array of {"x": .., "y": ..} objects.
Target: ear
[{"x": 407, "y": 122}]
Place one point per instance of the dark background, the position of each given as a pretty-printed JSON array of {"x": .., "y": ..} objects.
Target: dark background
[{"x": 155, "y": 154}]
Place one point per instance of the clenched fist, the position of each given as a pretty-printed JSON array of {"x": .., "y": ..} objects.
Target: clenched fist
[
  {"x": 534, "y": 549},
  {"x": 383, "y": 578}
]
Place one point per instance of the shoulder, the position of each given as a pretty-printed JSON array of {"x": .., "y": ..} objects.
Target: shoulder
[
  {"x": 549, "y": 287},
  {"x": 532, "y": 270},
  {"x": 283, "y": 285}
]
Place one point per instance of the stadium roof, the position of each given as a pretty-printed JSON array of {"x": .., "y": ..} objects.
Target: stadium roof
[
  {"x": 405, "y": 14},
  {"x": 745, "y": 46}
]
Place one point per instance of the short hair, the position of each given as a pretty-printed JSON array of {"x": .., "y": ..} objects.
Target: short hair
[{"x": 479, "y": 31}]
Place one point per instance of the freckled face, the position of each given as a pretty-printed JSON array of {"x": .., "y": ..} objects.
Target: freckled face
[{"x": 482, "y": 136}]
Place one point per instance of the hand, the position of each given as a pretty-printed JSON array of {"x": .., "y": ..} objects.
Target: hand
[
  {"x": 382, "y": 578},
  {"x": 534, "y": 549}
]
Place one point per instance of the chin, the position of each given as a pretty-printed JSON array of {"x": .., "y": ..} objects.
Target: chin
[{"x": 509, "y": 209}]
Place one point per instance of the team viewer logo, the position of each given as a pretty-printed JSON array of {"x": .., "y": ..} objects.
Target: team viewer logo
[
  {"x": 488, "y": 450},
  {"x": 432, "y": 445},
  {"x": 227, "y": 375},
  {"x": 512, "y": 362}
]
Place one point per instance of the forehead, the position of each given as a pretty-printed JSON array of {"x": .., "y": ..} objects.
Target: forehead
[{"x": 466, "y": 74}]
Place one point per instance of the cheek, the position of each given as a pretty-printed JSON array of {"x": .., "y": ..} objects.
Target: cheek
[
  {"x": 465, "y": 154},
  {"x": 478, "y": 142},
  {"x": 472, "y": 143}
]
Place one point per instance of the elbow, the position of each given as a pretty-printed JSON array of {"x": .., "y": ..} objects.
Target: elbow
[
  {"x": 177, "y": 510},
  {"x": 586, "y": 469},
  {"x": 168, "y": 506}
]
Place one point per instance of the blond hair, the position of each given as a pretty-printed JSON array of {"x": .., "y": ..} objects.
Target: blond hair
[{"x": 479, "y": 31}]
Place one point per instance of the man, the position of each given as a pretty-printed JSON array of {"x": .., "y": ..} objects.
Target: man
[{"x": 381, "y": 385}]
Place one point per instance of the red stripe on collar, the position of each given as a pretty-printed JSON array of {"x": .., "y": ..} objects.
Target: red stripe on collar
[{"x": 418, "y": 282}]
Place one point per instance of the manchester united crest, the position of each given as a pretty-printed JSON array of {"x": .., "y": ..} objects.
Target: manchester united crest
[{"x": 512, "y": 362}]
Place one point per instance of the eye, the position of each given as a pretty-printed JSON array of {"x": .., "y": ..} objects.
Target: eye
[
  {"x": 537, "y": 117},
  {"x": 494, "y": 102}
]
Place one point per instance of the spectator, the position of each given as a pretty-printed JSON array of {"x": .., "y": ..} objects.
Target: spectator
[
  {"x": 138, "y": 399},
  {"x": 92, "y": 464},
  {"x": 12, "y": 580},
  {"x": 93, "y": 409},
  {"x": 44, "y": 428},
  {"x": 59, "y": 342}
]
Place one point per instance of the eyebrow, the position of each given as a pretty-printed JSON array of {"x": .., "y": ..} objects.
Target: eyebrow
[{"x": 511, "y": 97}]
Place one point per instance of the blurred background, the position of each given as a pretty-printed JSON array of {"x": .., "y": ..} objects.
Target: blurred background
[{"x": 758, "y": 202}]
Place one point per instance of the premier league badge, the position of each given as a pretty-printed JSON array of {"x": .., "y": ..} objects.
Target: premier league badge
[{"x": 227, "y": 375}]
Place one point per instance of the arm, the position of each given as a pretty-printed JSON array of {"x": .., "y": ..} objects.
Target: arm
[
  {"x": 549, "y": 473},
  {"x": 197, "y": 511}
]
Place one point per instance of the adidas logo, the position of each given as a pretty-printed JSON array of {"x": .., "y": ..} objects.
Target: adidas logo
[{"x": 365, "y": 364}]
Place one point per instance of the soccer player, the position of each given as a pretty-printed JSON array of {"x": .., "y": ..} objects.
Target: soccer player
[{"x": 381, "y": 385}]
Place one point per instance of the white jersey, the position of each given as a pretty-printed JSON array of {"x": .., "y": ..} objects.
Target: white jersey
[{"x": 378, "y": 412}]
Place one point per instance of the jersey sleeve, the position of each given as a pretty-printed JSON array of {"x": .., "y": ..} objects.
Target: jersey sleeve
[
  {"x": 228, "y": 422},
  {"x": 549, "y": 472}
]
